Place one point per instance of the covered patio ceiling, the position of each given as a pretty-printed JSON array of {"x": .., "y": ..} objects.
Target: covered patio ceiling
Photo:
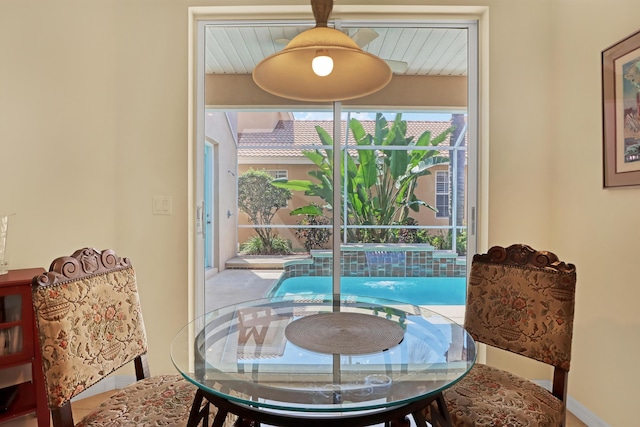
[{"x": 411, "y": 51}]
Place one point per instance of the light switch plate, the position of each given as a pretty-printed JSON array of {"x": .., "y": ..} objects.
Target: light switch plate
[{"x": 162, "y": 205}]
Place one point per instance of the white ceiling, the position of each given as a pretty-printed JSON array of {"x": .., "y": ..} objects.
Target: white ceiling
[{"x": 426, "y": 51}]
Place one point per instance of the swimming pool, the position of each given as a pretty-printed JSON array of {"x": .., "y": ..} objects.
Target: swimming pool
[{"x": 413, "y": 290}]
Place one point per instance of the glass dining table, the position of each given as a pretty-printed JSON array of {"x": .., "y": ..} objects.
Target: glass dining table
[{"x": 318, "y": 360}]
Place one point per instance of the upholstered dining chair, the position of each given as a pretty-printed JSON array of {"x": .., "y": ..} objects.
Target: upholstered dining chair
[
  {"x": 90, "y": 324},
  {"x": 520, "y": 300}
]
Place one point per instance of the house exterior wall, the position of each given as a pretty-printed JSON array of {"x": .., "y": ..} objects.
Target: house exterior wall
[{"x": 219, "y": 131}]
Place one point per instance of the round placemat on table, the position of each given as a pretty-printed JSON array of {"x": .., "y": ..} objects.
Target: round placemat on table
[{"x": 344, "y": 333}]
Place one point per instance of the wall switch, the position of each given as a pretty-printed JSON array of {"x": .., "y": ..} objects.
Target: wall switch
[{"x": 162, "y": 205}]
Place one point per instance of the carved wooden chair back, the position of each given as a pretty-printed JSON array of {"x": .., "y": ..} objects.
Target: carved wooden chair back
[
  {"x": 520, "y": 300},
  {"x": 90, "y": 324}
]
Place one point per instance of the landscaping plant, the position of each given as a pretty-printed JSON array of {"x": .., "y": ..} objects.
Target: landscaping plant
[
  {"x": 380, "y": 184},
  {"x": 261, "y": 200}
]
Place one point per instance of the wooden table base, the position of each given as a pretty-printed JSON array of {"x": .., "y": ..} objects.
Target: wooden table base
[{"x": 437, "y": 412}]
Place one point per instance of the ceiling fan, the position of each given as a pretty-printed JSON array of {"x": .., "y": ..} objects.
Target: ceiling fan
[{"x": 362, "y": 37}]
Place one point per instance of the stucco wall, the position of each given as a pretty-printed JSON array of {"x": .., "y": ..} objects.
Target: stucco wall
[{"x": 219, "y": 132}]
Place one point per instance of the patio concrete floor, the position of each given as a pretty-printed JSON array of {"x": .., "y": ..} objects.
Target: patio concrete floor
[
  {"x": 246, "y": 277},
  {"x": 232, "y": 286}
]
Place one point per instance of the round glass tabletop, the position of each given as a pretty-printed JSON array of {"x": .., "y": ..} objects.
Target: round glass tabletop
[{"x": 315, "y": 353}]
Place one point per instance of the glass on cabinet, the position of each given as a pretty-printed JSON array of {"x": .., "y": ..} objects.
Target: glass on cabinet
[{"x": 10, "y": 324}]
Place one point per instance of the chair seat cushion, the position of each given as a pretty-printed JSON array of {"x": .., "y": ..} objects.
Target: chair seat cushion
[
  {"x": 488, "y": 396},
  {"x": 163, "y": 400}
]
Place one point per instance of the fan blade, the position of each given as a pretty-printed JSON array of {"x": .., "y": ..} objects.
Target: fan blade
[
  {"x": 364, "y": 36},
  {"x": 398, "y": 67},
  {"x": 289, "y": 33}
]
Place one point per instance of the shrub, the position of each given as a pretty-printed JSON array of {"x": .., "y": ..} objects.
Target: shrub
[
  {"x": 260, "y": 200},
  {"x": 442, "y": 241},
  {"x": 313, "y": 238},
  {"x": 409, "y": 235},
  {"x": 255, "y": 246}
]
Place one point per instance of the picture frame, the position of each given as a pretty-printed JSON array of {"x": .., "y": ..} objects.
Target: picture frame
[{"x": 621, "y": 113}]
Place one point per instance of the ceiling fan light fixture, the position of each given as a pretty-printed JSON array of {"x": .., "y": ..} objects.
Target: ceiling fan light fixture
[{"x": 290, "y": 73}]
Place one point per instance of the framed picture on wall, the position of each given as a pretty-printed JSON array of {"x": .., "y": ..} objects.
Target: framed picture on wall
[{"x": 621, "y": 112}]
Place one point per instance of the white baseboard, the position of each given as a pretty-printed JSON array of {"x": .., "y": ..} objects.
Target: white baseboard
[
  {"x": 577, "y": 409},
  {"x": 583, "y": 414}
]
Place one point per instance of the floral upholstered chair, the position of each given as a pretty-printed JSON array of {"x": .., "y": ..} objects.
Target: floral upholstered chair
[
  {"x": 90, "y": 324},
  {"x": 522, "y": 301}
]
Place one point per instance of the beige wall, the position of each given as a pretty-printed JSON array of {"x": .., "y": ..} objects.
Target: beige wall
[
  {"x": 94, "y": 123},
  {"x": 595, "y": 227}
]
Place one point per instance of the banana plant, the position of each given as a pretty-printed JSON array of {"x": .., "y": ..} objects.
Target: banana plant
[{"x": 380, "y": 184}]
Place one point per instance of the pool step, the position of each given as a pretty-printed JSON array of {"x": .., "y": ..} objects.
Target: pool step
[{"x": 258, "y": 262}]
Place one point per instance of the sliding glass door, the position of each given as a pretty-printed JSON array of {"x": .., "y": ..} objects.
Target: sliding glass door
[{"x": 379, "y": 187}]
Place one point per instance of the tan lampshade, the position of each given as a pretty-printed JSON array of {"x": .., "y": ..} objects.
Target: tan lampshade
[{"x": 288, "y": 73}]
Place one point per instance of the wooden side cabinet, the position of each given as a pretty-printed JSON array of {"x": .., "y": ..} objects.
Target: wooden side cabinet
[{"x": 18, "y": 346}]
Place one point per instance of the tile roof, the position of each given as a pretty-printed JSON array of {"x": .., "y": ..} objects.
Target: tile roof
[{"x": 290, "y": 137}]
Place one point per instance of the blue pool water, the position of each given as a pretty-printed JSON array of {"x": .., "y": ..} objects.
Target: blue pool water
[{"x": 413, "y": 290}]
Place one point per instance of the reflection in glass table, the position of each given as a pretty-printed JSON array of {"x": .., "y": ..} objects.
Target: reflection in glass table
[{"x": 343, "y": 360}]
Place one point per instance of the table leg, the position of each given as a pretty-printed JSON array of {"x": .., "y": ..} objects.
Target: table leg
[
  {"x": 437, "y": 413},
  {"x": 218, "y": 420},
  {"x": 245, "y": 422},
  {"x": 198, "y": 412},
  {"x": 401, "y": 422}
]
